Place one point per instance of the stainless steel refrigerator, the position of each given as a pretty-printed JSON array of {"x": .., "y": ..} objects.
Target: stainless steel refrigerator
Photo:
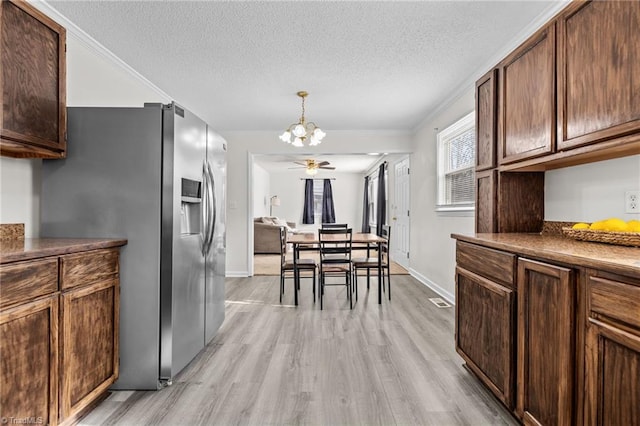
[{"x": 155, "y": 175}]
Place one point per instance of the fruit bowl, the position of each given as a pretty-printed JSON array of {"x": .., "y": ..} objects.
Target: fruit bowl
[{"x": 619, "y": 238}]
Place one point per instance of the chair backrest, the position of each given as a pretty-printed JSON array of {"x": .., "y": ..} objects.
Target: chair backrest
[
  {"x": 386, "y": 234},
  {"x": 335, "y": 245},
  {"x": 283, "y": 245},
  {"x": 335, "y": 226}
]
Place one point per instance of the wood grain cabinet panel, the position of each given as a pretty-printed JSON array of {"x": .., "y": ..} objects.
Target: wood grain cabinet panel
[
  {"x": 24, "y": 281},
  {"x": 485, "y": 332},
  {"x": 87, "y": 267},
  {"x": 612, "y": 350},
  {"x": 486, "y": 120},
  {"x": 527, "y": 99},
  {"x": 29, "y": 362},
  {"x": 598, "y": 69},
  {"x": 89, "y": 343},
  {"x": 546, "y": 343},
  {"x": 33, "y": 83},
  {"x": 493, "y": 264},
  {"x": 486, "y": 201}
]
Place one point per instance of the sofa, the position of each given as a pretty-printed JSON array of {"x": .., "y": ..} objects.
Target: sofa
[{"x": 266, "y": 234}]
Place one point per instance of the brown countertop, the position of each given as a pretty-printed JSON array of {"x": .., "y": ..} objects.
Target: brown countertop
[
  {"x": 620, "y": 259},
  {"x": 33, "y": 248}
]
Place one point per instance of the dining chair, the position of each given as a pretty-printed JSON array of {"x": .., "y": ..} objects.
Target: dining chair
[
  {"x": 335, "y": 259},
  {"x": 288, "y": 267},
  {"x": 371, "y": 262}
]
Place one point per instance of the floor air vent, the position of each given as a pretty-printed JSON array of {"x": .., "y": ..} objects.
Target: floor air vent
[{"x": 439, "y": 302}]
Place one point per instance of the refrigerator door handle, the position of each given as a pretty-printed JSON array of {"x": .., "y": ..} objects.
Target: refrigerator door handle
[
  {"x": 205, "y": 210},
  {"x": 212, "y": 204}
]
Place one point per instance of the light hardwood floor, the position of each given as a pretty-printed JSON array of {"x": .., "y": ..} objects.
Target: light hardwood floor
[{"x": 279, "y": 364}]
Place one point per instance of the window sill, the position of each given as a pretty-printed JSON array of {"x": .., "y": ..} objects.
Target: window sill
[{"x": 468, "y": 211}]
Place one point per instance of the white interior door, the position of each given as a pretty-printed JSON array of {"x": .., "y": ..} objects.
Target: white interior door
[{"x": 400, "y": 218}]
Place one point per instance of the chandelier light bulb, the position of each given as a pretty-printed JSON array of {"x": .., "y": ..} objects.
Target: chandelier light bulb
[
  {"x": 297, "y": 142},
  {"x": 286, "y": 137},
  {"x": 313, "y": 141},
  {"x": 319, "y": 134},
  {"x": 311, "y": 171},
  {"x": 299, "y": 131}
]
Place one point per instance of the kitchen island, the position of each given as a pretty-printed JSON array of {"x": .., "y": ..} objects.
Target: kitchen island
[
  {"x": 59, "y": 319},
  {"x": 551, "y": 325}
]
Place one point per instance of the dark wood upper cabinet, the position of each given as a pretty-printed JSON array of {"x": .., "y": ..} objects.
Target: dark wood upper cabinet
[
  {"x": 527, "y": 98},
  {"x": 486, "y": 120},
  {"x": 598, "y": 72},
  {"x": 32, "y": 83}
]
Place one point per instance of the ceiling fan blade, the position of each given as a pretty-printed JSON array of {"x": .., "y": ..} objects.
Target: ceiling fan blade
[
  {"x": 327, "y": 168},
  {"x": 300, "y": 163},
  {"x": 303, "y": 167},
  {"x": 323, "y": 163}
]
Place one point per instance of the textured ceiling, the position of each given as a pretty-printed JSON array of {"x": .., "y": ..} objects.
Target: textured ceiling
[{"x": 366, "y": 65}]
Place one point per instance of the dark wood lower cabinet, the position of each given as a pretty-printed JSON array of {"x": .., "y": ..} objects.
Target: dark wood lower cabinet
[
  {"x": 612, "y": 350},
  {"x": 59, "y": 329},
  {"x": 612, "y": 376},
  {"x": 485, "y": 330},
  {"x": 89, "y": 342},
  {"x": 29, "y": 362},
  {"x": 546, "y": 344}
]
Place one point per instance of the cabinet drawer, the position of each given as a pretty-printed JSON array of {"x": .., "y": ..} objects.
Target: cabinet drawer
[
  {"x": 615, "y": 299},
  {"x": 489, "y": 263},
  {"x": 27, "y": 280},
  {"x": 86, "y": 268}
]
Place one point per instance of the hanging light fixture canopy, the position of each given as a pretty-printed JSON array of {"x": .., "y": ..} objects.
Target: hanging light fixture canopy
[{"x": 298, "y": 132}]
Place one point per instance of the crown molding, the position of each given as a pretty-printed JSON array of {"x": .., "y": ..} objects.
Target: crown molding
[
  {"x": 469, "y": 82},
  {"x": 94, "y": 45}
]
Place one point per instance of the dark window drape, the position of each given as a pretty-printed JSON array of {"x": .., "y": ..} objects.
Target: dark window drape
[
  {"x": 365, "y": 207},
  {"x": 381, "y": 202},
  {"x": 328, "y": 213},
  {"x": 307, "y": 213}
]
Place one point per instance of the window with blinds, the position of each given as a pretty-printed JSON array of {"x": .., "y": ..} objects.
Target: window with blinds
[{"x": 456, "y": 160}]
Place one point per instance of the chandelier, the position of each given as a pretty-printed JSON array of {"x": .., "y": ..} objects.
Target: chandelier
[{"x": 301, "y": 130}]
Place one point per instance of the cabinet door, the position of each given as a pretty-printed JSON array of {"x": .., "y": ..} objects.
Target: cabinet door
[
  {"x": 485, "y": 331},
  {"x": 486, "y": 120},
  {"x": 545, "y": 343},
  {"x": 486, "y": 201},
  {"x": 612, "y": 376},
  {"x": 89, "y": 365},
  {"x": 598, "y": 69},
  {"x": 29, "y": 354},
  {"x": 33, "y": 83},
  {"x": 527, "y": 99}
]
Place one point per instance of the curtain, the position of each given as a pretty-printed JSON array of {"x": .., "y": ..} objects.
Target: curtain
[
  {"x": 381, "y": 202},
  {"x": 328, "y": 214},
  {"x": 307, "y": 213},
  {"x": 365, "y": 207}
]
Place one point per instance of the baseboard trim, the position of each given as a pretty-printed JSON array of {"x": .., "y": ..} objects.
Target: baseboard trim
[
  {"x": 237, "y": 274},
  {"x": 449, "y": 297}
]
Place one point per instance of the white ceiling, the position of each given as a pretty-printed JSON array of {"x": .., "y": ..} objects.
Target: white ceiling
[{"x": 366, "y": 65}]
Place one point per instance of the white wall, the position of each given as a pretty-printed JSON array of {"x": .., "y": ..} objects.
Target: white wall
[
  {"x": 591, "y": 192},
  {"x": 92, "y": 79},
  {"x": 240, "y": 149},
  {"x": 347, "y": 196},
  {"x": 432, "y": 250},
  {"x": 261, "y": 192}
]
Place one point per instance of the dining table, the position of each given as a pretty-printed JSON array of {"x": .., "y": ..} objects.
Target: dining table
[{"x": 310, "y": 242}]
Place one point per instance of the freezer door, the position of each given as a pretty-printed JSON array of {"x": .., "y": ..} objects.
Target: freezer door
[
  {"x": 215, "y": 263},
  {"x": 183, "y": 263}
]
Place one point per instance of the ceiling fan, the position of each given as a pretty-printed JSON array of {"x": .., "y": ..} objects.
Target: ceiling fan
[{"x": 312, "y": 166}]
